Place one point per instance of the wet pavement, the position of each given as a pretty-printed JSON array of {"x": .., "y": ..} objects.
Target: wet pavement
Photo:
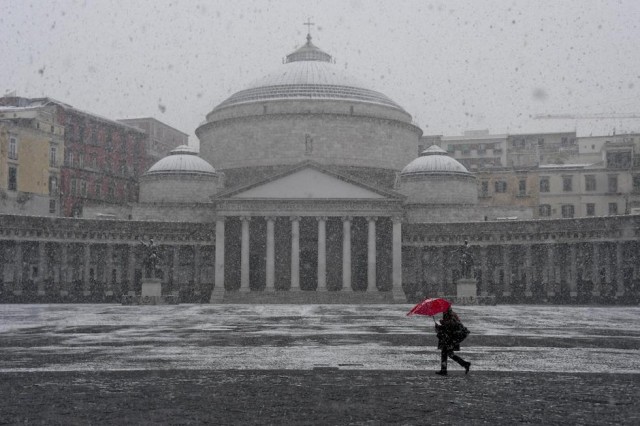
[{"x": 315, "y": 364}]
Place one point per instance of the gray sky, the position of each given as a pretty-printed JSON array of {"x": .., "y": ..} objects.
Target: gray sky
[{"x": 453, "y": 65}]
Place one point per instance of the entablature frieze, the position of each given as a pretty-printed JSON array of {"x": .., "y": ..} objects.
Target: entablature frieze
[
  {"x": 309, "y": 207},
  {"x": 388, "y": 121}
]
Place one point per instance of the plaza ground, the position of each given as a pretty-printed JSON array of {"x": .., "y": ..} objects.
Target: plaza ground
[{"x": 319, "y": 364}]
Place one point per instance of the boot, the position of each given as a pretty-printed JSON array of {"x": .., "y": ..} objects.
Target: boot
[
  {"x": 467, "y": 365},
  {"x": 442, "y": 372}
]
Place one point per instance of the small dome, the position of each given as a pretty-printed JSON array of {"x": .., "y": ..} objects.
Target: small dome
[
  {"x": 182, "y": 160},
  {"x": 434, "y": 160}
]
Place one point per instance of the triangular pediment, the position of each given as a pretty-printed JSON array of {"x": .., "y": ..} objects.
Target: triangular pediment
[{"x": 309, "y": 181}]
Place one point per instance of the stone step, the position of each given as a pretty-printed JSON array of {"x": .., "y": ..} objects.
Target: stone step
[{"x": 309, "y": 297}]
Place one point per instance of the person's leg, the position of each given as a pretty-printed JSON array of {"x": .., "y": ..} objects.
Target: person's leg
[
  {"x": 443, "y": 362},
  {"x": 460, "y": 361}
]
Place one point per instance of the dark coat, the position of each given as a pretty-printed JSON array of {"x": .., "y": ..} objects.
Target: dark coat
[{"x": 450, "y": 332}]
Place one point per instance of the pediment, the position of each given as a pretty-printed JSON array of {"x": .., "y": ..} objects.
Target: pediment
[{"x": 309, "y": 182}]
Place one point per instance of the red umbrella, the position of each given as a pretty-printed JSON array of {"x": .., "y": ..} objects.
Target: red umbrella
[{"x": 430, "y": 307}]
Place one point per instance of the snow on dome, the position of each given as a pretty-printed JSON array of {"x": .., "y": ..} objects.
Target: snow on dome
[
  {"x": 434, "y": 160},
  {"x": 309, "y": 73},
  {"x": 182, "y": 160}
]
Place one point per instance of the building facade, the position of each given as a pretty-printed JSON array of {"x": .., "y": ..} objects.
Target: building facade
[
  {"x": 313, "y": 188},
  {"x": 31, "y": 154},
  {"x": 161, "y": 138}
]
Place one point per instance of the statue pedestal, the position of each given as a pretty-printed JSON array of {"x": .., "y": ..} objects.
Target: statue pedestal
[
  {"x": 466, "y": 291},
  {"x": 151, "y": 287},
  {"x": 151, "y": 291},
  {"x": 151, "y": 294}
]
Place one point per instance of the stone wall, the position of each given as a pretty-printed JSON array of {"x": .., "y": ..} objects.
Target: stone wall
[{"x": 339, "y": 140}]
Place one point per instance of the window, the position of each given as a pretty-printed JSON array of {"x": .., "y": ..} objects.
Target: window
[
  {"x": 544, "y": 184},
  {"x": 74, "y": 186},
  {"x": 70, "y": 159},
  {"x": 544, "y": 210},
  {"x": 613, "y": 208},
  {"x": 567, "y": 183},
  {"x": 636, "y": 183},
  {"x": 83, "y": 187},
  {"x": 564, "y": 141},
  {"x": 13, "y": 178},
  {"x": 81, "y": 160},
  {"x": 590, "y": 182},
  {"x": 13, "y": 148},
  {"x": 123, "y": 168},
  {"x": 501, "y": 186},
  {"x": 568, "y": 211},
  {"x": 591, "y": 209},
  {"x": 53, "y": 152},
  {"x": 52, "y": 206},
  {"x": 618, "y": 160},
  {"x": 53, "y": 185},
  {"x": 484, "y": 188},
  {"x": 112, "y": 190},
  {"x": 540, "y": 142},
  {"x": 522, "y": 187},
  {"x": 613, "y": 183},
  {"x": 98, "y": 191},
  {"x": 94, "y": 161}
]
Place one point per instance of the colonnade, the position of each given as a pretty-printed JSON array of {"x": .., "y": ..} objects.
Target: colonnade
[
  {"x": 346, "y": 258},
  {"x": 585, "y": 269},
  {"x": 62, "y": 265}
]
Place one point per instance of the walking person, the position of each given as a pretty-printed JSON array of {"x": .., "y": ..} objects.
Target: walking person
[{"x": 450, "y": 333}]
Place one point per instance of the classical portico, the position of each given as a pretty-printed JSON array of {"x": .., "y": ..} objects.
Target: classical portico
[{"x": 308, "y": 230}]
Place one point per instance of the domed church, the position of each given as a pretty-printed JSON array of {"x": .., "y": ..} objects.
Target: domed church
[{"x": 307, "y": 176}]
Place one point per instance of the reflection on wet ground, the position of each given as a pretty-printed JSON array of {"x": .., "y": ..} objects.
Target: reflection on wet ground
[{"x": 294, "y": 337}]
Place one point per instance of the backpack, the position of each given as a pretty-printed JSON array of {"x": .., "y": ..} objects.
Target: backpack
[{"x": 460, "y": 334}]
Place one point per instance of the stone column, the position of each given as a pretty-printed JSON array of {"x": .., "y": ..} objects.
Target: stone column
[
  {"x": 109, "y": 270},
  {"x": 219, "y": 261},
  {"x": 529, "y": 271},
  {"x": 371, "y": 254},
  {"x": 396, "y": 260},
  {"x": 41, "y": 267},
  {"x": 346, "y": 253},
  {"x": 551, "y": 286},
  {"x": 271, "y": 258},
  {"x": 322, "y": 253},
  {"x": 619, "y": 271},
  {"x": 131, "y": 270},
  {"x": 196, "y": 269},
  {"x": 295, "y": 253},
  {"x": 175, "y": 266},
  {"x": 87, "y": 267},
  {"x": 595, "y": 271},
  {"x": 506, "y": 267},
  {"x": 244, "y": 255},
  {"x": 17, "y": 269},
  {"x": 484, "y": 268},
  {"x": 442, "y": 270},
  {"x": 573, "y": 270},
  {"x": 63, "y": 284}
]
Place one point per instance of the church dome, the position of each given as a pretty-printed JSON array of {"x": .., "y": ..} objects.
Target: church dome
[
  {"x": 308, "y": 73},
  {"x": 434, "y": 160},
  {"x": 182, "y": 160}
]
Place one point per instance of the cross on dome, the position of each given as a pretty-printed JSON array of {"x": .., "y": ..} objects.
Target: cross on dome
[{"x": 308, "y": 24}]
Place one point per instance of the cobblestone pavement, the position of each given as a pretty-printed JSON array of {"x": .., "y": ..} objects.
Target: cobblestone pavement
[
  {"x": 193, "y": 364},
  {"x": 317, "y": 397}
]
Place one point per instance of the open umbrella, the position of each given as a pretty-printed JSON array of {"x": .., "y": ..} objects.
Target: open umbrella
[{"x": 430, "y": 307}]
